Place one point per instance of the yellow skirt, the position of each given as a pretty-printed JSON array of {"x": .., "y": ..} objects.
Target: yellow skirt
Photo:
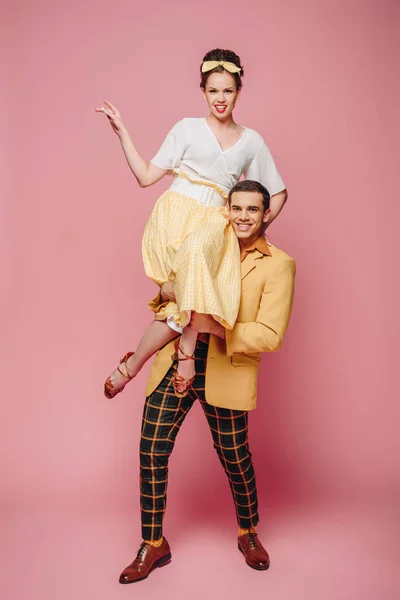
[{"x": 196, "y": 247}]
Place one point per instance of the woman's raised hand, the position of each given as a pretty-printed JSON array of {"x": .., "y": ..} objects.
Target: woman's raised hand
[
  {"x": 145, "y": 173},
  {"x": 113, "y": 115}
]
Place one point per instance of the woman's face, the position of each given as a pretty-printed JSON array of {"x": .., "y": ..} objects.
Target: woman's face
[{"x": 221, "y": 94}]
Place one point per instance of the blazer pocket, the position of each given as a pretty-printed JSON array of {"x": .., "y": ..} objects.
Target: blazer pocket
[{"x": 245, "y": 360}]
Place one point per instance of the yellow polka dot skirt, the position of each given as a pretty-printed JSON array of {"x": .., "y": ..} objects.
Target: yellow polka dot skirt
[{"x": 196, "y": 246}]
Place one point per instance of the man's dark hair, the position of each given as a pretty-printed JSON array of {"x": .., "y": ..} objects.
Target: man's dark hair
[{"x": 247, "y": 185}]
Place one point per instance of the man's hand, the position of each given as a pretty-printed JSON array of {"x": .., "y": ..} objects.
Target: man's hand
[
  {"x": 167, "y": 291},
  {"x": 206, "y": 324}
]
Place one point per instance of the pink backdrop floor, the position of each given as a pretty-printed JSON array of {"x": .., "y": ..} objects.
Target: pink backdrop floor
[{"x": 316, "y": 553}]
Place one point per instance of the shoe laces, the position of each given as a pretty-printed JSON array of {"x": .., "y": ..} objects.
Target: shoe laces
[
  {"x": 141, "y": 551},
  {"x": 253, "y": 541}
]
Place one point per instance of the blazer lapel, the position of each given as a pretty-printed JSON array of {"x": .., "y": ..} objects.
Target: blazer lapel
[{"x": 248, "y": 264}]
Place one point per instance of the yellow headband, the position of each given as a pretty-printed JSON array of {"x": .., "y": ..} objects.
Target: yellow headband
[{"x": 209, "y": 65}]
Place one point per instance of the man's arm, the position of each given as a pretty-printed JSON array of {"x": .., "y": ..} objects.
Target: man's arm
[{"x": 267, "y": 332}]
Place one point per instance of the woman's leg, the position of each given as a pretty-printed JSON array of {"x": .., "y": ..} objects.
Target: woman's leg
[
  {"x": 206, "y": 271},
  {"x": 155, "y": 337},
  {"x": 187, "y": 346}
]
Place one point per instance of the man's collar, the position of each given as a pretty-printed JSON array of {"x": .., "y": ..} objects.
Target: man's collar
[{"x": 259, "y": 244}]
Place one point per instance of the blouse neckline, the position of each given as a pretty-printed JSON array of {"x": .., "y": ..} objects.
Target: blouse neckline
[{"x": 217, "y": 142}]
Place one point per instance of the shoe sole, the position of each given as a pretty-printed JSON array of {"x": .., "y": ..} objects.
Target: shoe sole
[
  {"x": 161, "y": 562},
  {"x": 253, "y": 567}
]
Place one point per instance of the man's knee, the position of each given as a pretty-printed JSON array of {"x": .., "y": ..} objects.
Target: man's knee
[
  {"x": 235, "y": 458},
  {"x": 154, "y": 456}
]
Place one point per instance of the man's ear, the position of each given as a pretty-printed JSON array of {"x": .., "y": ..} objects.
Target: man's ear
[{"x": 266, "y": 215}]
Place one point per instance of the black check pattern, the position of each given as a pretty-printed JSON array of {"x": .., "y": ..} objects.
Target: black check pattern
[{"x": 163, "y": 415}]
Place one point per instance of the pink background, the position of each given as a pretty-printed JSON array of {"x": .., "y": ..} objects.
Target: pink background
[{"x": 320, "y": 86}]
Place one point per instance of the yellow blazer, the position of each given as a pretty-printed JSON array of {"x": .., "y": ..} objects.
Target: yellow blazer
[{"x": 265, "y": 307}]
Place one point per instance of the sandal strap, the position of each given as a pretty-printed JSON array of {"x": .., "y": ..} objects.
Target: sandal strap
[
  {"x": 187, "y": 356},
  {"x": 180, "y": 379},
  {"x": 123, "y": 374},
  {"x": 111, "y": 389},
  {"x": 123, "y": 362},
  {"x": 182, "y": 385}
]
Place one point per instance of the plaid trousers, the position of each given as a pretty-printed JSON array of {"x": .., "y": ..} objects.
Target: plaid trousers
[{"x": 163, "y": 415}]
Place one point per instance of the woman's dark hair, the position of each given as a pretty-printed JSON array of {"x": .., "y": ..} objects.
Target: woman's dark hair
[
  {"x": 226, "y": 56},
  {"x": 247, "y": 185}
]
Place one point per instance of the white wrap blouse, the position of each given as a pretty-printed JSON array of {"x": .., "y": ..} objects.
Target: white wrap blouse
[{"x": 191, "y": 147}]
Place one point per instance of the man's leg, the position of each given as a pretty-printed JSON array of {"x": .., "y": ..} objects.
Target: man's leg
[
  {"x": 162, "y": 417},
  {"x": 229, "y": 429}
]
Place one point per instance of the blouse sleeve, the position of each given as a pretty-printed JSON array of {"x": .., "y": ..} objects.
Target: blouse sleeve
[
  {"x": 263, "y": 169},
  {"x": 170, "y": 154}
]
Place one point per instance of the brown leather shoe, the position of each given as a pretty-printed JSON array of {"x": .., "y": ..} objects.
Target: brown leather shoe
[
  {"x": 147, "y": 559},
  {"x": 255, "y": 555}
]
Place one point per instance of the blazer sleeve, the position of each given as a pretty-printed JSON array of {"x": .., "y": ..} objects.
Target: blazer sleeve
[{"x": 267, "y": 332}]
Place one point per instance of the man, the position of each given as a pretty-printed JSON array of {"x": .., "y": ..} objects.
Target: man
[{"x": 225, "y": 385}]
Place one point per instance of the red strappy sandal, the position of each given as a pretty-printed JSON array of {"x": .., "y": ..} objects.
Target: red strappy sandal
[
  {"x": 182, "y": 385},
  {"x": 109, "y": 389}
]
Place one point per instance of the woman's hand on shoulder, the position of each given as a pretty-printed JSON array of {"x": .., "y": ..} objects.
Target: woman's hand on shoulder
[{"x": 113, "y": 115}]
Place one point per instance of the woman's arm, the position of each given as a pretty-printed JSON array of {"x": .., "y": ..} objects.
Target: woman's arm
[
  {"x": 146, "y": 173},
  {"x": 276, "y": 204},
  {"x": 263, "y": 169}
]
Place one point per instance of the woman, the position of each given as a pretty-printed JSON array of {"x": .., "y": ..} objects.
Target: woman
[{"x": 187, "y": 238}]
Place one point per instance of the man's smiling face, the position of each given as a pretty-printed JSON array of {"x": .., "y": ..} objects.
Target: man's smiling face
[{"x": 248, "y": 216}]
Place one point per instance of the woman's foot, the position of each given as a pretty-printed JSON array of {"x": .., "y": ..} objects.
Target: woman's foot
[
  {"x": 120, "y": 377},
  {"x": 184, "y": 374},
  {"x": 185, "y": 364}
]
